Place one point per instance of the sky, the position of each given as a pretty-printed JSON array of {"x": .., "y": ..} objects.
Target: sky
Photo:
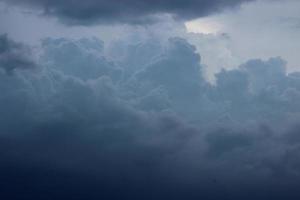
[{"x": 138, "y": 99}]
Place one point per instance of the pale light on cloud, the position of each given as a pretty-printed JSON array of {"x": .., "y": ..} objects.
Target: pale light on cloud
[
  {"x": 203, "y": 25},
  {"x": 259, "y": 29}
]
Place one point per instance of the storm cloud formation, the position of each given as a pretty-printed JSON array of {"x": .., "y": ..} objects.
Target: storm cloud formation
[
  {"x": 126, "y": 11},
  {"x": 143, "y": 123},
  {"x": 14, "y": 55}
]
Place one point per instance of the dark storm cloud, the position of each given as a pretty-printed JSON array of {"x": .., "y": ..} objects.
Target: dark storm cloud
[
  {"x": 126, "y": 11},
  {"x": 146, "y": 125},
  {"x": 14, "y": 55}
]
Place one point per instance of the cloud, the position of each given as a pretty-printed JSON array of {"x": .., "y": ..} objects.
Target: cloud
[
  {"x": 14, "y": 55},
  {"x": 129, "y": 11},
  {"x": 77, "y": 58},
  {"x": 272, "y": 23},
  {"x": 157, "y": 131}
]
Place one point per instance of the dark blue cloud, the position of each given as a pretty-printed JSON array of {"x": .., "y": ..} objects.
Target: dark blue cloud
[
  {"x": 112, "y": 130},
  {"x": 14, "y": 55},
  {"x": 128, "y": 11}
]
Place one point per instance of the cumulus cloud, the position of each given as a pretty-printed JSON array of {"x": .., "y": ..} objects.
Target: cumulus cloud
[
  {"x": 148, "y": 126},
  {"x": 80, "y": 58},
  {"x": 14, "y": 55},
  {"x": 129, "y": 11}
]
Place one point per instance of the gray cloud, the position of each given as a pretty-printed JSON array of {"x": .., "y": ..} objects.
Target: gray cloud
[
  {"x": 14, "y": 55},
  {"x": 129, "y": 11},
  {"x": 150, "y": 129}
]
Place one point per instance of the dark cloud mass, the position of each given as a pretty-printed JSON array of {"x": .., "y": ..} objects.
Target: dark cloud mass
[
  {"x": 143, "y": 123},
  {"x": 128, "y": 11},
  {"x": 14, "y": 55}
]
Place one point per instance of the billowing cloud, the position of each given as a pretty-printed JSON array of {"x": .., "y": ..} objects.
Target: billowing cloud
[
  {"x": 129, "y": 11},
  {"x": 14, "y": 55},
  {"x": 147, "y": 126}
]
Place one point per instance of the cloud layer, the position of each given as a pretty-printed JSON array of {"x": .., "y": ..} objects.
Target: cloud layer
[
  {"x": 143, "y": 123},
  {"x": 129, "y": 11},
  {"x": 14, "y": 55}
]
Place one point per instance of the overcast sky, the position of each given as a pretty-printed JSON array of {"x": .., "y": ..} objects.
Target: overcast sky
[{"x": 150, "y": 100}]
